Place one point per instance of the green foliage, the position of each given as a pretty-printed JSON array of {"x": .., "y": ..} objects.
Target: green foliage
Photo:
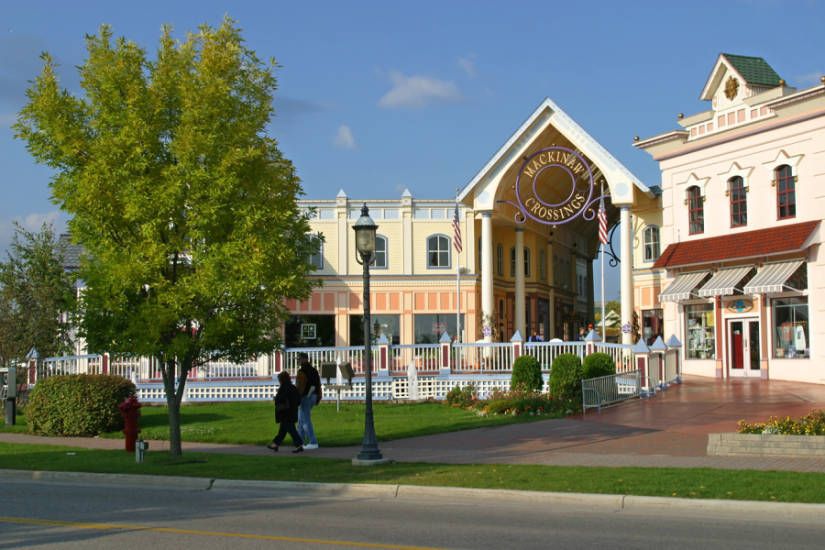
[
  {"x": 811, "y": 424},
  {"x": 520, "y": 403},
  {"x": 171, "y": 181},
  {"x": 565, "y": 380},
  {"x": 598, "y": 364},
  {"x": 77, "y": 404},
  {"x": 36, "y": 293},
  {"x": 462, "y": 397},
  {"x": 526, "y": 375}
]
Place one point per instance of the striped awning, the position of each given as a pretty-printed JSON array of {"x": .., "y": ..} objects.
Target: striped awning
[
  {"x": 682, "y": 286},
  {"x": 724, "y": 282},
  {"x": 772, "y": 277}
]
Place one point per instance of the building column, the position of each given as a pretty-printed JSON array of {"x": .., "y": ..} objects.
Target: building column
[
  {"x": 626, "y": 271},
  {"x": 520, "y": 305},
  {"x": 487, "y": 312},
  {"x": 551, "y": 296}
]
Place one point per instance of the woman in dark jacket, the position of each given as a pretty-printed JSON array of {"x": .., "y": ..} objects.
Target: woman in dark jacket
[{"x": 287, "y": 400}]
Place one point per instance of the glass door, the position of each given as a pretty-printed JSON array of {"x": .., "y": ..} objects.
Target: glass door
[{"x": 743, "y": 348}]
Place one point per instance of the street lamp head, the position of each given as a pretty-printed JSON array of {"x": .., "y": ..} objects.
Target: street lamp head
[{"x": 365, "y": 230}]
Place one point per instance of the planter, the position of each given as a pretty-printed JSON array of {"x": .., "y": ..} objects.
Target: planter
[{"x": 735, "y": 444}]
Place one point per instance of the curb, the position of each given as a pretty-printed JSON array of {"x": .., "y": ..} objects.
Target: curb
[{"x": 766, "y": 511}]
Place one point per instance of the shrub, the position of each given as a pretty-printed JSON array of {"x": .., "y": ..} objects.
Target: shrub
[
  {"x": 519, "y": 403},
  {"x": 598, "y": 364},
  {"x": 462, "y": 398},
  {"x": 526, "y": 375},
  {"x": 77, "y": 404},
  {"x": 566, "y": 380}
]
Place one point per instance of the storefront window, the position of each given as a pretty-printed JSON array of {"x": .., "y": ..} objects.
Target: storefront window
[
  {"x": 388, "y": 325},
  {"x": 652, "y": 325},
  {"x": 430, "y": 327},
  {"x": 701, "y": 331},
  {"x": 790, "y": 328},
  {"x": 309, "y": 331}
]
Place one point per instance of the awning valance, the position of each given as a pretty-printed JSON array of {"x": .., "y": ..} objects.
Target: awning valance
[
  {"x": 772, "y": 277},
  {"x": 682, "y": 286},
  {"x": 724, "y": 282}
]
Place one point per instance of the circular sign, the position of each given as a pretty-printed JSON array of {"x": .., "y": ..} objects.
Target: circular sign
[
  {"x": 486, "y": 331},
  {"x": 554, "y": 185},
  {"x": 626, "y": 328}
]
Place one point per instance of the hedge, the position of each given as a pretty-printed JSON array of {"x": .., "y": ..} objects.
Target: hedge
[
  {"x": 77, "y": 404},
  {"x": 566, "y": 380},
  {"x": 526, "y": 375},
  {"x": 598, "y": 364}
]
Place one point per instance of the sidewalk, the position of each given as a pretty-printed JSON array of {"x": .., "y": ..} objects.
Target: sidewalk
[{"x": 669, "y": 430}]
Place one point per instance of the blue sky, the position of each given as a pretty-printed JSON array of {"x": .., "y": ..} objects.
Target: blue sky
[{"x": 377, "y": 96}]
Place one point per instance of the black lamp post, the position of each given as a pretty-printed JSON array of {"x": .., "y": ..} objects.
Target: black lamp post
[{"x": 365, "y": 230}]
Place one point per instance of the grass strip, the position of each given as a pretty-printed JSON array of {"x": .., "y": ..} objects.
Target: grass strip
[{"x": 700, "y": 483}]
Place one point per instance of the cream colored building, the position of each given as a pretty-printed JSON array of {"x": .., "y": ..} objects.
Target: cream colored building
[
  {"x": 529, "y": 233},
  {"x": 728, "y": 254}
]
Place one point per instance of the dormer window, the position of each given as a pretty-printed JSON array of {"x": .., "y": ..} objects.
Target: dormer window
[{"x": 696, "y": 210}]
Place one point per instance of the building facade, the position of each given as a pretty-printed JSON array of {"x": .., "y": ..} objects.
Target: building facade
[
  {"x": 728, "y": 252},
  {"x": 529, "y": 236}
]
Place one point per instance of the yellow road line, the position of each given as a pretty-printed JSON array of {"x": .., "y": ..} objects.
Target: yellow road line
[{"x": 176, "y": 531}]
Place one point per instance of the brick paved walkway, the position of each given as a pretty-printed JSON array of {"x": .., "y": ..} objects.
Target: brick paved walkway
[{"x": 669, "y": 430}]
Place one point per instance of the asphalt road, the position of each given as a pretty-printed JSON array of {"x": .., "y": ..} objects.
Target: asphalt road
[{"x": 36, "y": 514}]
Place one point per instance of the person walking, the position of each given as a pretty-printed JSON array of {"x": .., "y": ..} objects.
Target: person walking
[
  {"x": 309, "y": 386},
  {"x": 287, "y": 401}
]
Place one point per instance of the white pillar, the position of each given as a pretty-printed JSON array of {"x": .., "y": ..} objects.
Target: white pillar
[
  {"x": 486, "y": 271},
  {"x": 626, "y": 271},
  {"x": 520, "y": 309}
]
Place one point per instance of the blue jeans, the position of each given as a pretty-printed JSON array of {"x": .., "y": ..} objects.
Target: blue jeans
[{"x": 305, "y": 428}]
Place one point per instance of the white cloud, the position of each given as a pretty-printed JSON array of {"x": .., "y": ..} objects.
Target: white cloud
[
  {"x": 344, "y": 138},
  {"x": 418, "y": 91},
  {"x": 468, "y": 65}
]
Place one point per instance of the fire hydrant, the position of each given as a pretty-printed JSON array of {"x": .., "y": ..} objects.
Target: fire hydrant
[{"x": 130, "y": 410}]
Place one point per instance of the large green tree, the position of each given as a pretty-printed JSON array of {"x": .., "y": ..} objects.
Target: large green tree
[
  {"x": 36, "y": 297},
  {"x": 186, "y": 208}
]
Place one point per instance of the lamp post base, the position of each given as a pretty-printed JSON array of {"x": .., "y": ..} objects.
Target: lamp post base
[{"x": 370, "y": 461}]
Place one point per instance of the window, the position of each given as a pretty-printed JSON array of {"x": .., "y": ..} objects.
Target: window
[
  {"x": 438, "y": 252},
  {"x": 785, "y": 192},
  {"x": 380, "y": 259},
  {"x": 652, "y": 325},
  {"x": 790, "y": 328},
  {"x": 651, "y": 240},
  {"x": 316, "y": 259},
  {"x": 526, "y": 262},
  {"x": 701, "y": 331},
  {"x": 696, "y": 210},
  {"x": 430, "y": 327},
  {"x": 738, "y": 202},
  {"x": 513, "y": 261},
  {"x": 500, "y": 260},
  {"x": 388, "y": 325},
  {"x": 542, "y": 265}
]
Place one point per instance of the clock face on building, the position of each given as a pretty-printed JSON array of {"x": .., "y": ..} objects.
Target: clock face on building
[{"x": 731, "y": 87}]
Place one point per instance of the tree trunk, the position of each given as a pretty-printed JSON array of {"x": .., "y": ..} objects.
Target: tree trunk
[{"x": 173, "y": 407}]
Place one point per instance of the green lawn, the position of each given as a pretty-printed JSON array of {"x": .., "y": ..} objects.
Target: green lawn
[
  {"x": 670, "y": 482},
  {"x": 253, "y": 422}
]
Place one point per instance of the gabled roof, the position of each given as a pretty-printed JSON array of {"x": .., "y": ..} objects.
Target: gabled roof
[
  {"x": 754, "y": 71},
  {"x": 549, "y": 112},
  {"x": 749, "y": 244}
]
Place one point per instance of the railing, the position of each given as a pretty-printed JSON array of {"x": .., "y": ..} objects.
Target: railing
[
  {"x": 74, "y": 364},
  {"x": 608, "y": 390},
  {"x": 671, "y": 366},
  {"x": 425, "y": 357},
  {"x": 546, "y": 352},
  {"x": 354, "y": 355},
  {"x": 492, "y": 357},
  {"x": 620, "y": 353}
]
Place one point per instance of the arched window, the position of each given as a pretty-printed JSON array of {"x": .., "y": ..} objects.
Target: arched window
[
  {"x": 316, "y": 259},
  {"x": 651, "y": 243},
  {"x": 500, "y": 260},
  {"x": 738, "y": 202},
  {"x": 785, "y": 192},
  {"x": 696, "y": 210},
  {"x": 438, "y": 251},
  {"x": 380, "y": 259}
]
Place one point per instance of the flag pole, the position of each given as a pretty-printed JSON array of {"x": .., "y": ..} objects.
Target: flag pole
[{"x": 604, "y": 331}]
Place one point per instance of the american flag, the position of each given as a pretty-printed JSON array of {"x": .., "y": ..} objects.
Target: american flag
[
  {"x": 602, "y": 222},
  {"x": 457, "y": 232}
]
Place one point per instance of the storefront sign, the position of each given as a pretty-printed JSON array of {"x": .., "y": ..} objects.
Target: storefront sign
[
  {"x": 564, "y": 169},
  {"x": 741, "y": 305}
]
